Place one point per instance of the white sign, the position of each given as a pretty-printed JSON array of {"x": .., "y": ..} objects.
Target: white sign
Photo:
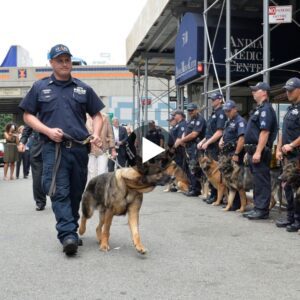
[{"x": 280, "y": 14}]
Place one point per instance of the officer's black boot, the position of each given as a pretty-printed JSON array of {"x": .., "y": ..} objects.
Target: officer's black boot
[
  {"x": 285, "y": 221},
  {"x": 293, "y": 227},
  {"x": 213, "y": 196}
]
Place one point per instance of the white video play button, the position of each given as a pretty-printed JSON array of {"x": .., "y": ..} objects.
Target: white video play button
[{"x": 150, "y": 150}]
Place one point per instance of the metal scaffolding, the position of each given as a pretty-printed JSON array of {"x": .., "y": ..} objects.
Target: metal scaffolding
[{"x": 141, "y": 76}]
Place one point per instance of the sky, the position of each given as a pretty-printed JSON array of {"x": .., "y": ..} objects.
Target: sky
[{"x": 88, "y": 27}]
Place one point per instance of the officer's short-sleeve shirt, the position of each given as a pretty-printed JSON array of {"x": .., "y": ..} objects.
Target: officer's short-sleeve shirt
[
  {"x": 291, "y": 124},
  {"x": 234, "y": 128},
  {"x": 179, "y": 129},
  {"x": 215, "y": 122},
  {"x": 62, "y": 104},
  {"x": 263, "y": 118},
  {"x": 197, "y": 124}
]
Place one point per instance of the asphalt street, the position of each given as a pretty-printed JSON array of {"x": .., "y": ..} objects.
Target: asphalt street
[{"x": 195, "y": 251}]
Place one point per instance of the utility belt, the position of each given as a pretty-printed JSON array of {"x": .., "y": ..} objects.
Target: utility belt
[
  {"x": 251, "y": 148},
  {"x": 69, "y": 142}
]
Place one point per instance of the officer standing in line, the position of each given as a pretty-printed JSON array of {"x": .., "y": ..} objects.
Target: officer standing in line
[
  {"x": 214, "y": 132},
  {"x": 36, "y": 163},
  {"x": 260, "y": 134},
  {"x": 172, "y": 124},
  {"x": 179, "y": 130},
  {"x": 232, "y": 141},
  {"x": 195, "y": 131},
  {"x": 288, "y": 143},
  {"x": 61, "y": 103}
]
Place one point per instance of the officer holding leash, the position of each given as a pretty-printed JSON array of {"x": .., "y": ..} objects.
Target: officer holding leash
[
  {"x": 61, "y": 103},
  {"x": 214, "y": 132},
  {"x": 195, "y": 131},
  {"x": 288, "y": 143},
  {"x": 260, "y": 134},
  {"x": 232, "y": 142}
]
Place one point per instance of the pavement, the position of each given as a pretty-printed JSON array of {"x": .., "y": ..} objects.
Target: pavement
[{"x": 195, "y": 251}]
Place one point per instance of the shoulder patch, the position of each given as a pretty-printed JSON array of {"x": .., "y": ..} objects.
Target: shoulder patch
[
  {"x": 263, "y": 113},
  {"x": 221, "y": 116},
  {"x": 295, "y": 112},
  {"x": 182, "y": 128},
  {"x": 241, "y": 124},
  {"x": 198, "y": 123},
  {"x": 263, "y": 123}
]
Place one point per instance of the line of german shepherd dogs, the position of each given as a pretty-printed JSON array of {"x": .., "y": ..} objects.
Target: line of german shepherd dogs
[{"x": 121, "y": 192}]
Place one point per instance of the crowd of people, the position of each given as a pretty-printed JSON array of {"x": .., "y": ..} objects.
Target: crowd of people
[{"x": 14, "y": 157}]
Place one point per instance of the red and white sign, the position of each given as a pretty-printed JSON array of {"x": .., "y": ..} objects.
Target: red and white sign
[{"x": 280, "y": 14}]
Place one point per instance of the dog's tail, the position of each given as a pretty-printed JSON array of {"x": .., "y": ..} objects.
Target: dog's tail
[{"x": 87, "y": 209}]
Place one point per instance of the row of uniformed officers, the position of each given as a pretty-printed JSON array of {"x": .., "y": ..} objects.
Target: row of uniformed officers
[{"x": 226, "y": 129}]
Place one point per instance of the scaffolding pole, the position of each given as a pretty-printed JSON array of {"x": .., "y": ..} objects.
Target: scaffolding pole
[
  {"x": 133, "y": 102},
  {"x": 205, "y": 82},
  {"x": 146, "y": 93},
  {"x": 228, "y": 48},
  {"x": 139, "y": 97},
  {"x": 266, "y": 41}
]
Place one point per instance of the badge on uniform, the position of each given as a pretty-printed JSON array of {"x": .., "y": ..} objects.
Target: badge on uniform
[
  {"x": 213, "y": 116},
  {"x": 256, "y": 113},
  {"x": 79, "y": 90},
  {"x": 46, "y": 91},
  {"x": 193, "y": 122}
]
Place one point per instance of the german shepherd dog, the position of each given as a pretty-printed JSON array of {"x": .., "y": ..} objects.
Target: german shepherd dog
[
  {"x": 232, "y": 175},
  {"x": 179, "y": 179},
  {"x": 211, "y": 170},
  {"x": 119, "y": 193}
]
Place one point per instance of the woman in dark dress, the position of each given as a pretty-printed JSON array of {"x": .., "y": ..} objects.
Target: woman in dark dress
[{"x": 10, "y": 150}]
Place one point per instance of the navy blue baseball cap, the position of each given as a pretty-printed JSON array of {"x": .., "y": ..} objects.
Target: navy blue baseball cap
[
  {"x": 191, "y": 107},
  {"x": 59, "y": 50},
  {"x": 215, "y": 96},
  {"x": 229, "y": 105},
  {"x": 260, "y": 86},
  {"x": 292, "y": 83},
  {"x": 179, "y": 112}
]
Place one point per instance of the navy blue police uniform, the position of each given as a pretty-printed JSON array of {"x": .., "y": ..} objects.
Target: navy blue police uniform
[
  {"x": 262, "y": 118},
  {"x": 64, "y": 104},
  {"x": 196, "y": 124},
  {"x": 290, "y": 132},
  {"x": 234, "y": 128},
  {"x": 215, "y": 122}
]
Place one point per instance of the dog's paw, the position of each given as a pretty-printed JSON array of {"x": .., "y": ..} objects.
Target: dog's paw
[
  {"x": 226, "y": 209},
  {"x": 215, "y": 203},
  {"x": 240, "y": 210},
  {"x": 81, "y": 230},
  {"x": 141, "y": 249},
  {"x": 104, "y": 247}
]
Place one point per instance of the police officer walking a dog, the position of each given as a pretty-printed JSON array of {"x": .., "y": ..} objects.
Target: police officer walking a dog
[
  {"x": 195, "y": 131},
  {"x": 288, "y": 142},
  {"x": 214, "y": 131},
  {"x": 260, "y": 134},
  {"x": 61, "y": 103}
]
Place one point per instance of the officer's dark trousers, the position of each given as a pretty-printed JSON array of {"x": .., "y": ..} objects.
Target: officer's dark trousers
[
  {"x": 261, "y": 181},
  {"x": 213, "y": 152},
  {"x": 36, "y": 163},
  {"x": 70, "y": 183},
  {"x": 24, "y": 158}
]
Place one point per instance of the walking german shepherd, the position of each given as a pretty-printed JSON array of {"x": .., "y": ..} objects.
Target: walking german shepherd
[{"x": 119, "y": 193}]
